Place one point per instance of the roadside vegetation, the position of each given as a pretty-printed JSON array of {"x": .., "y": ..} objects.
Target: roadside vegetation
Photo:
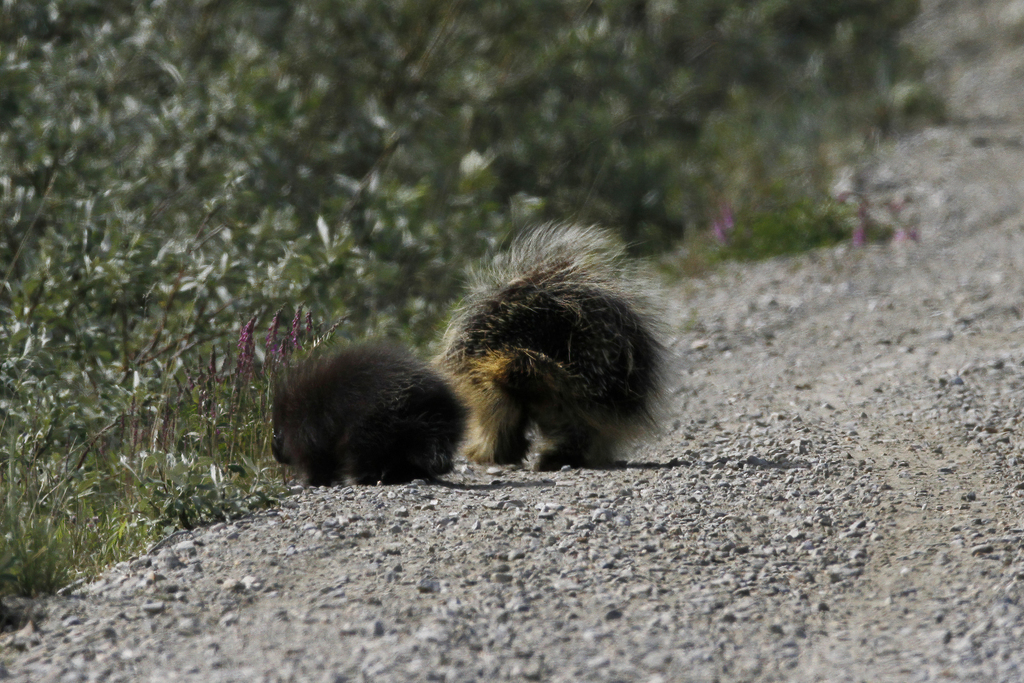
[{"x": 192, "y": 192}]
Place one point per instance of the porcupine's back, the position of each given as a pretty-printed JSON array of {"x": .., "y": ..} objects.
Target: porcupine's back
[
  {"x": 563, "y": 314},
  {"x": 369, "y": 413}
]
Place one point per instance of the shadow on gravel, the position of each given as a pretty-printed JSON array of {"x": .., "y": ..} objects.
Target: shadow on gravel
[
  {"x": 671, "y": 464},
  {"x": 495, "y": 485},
  {"x": 541, "y": 483},
  {"x": 750, "y": 460}
]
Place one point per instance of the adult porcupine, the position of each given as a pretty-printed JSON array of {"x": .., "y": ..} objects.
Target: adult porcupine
[
  {"x": 371, "y": 413},
  {"x": 560, "y": 334}
]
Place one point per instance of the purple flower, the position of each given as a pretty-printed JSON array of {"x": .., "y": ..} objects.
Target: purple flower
[
  {"x": 296, "y": 326},
  {"x": 271, "y": 340},
  {"x": 246, "y": 349},
  {"x": 860, "y": 233},
  {"x": 906, "y": 235},
  {"x": 860, "y": 237},
  {"x": 723, "y": 225}
]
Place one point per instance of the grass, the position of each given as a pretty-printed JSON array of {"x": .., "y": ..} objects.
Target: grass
[
  {"x": 192, "y": 452},
  {"x": 783, "y": 225}
]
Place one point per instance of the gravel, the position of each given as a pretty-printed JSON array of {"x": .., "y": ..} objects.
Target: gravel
[{"x": 838, "y": 495}]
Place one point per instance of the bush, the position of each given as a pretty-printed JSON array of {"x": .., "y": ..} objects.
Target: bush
[{"x": 779, "y": 225}]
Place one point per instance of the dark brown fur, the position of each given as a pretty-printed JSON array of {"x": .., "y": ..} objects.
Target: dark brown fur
[
  {"x": 369, "y": 414},
  {"x": 561, "y": 337}
]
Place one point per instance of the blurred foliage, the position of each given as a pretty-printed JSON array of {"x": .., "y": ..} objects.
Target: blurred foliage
[
  {"x": 171, "y": 170},
  {"x": 794, "y": 227},
  {"x": 778, "y": 225}
]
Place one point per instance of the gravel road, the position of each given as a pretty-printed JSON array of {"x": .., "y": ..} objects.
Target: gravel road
[{"x": 838, "y": 493}]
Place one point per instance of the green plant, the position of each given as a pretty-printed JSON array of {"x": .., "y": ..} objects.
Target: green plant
[{"x": 783, "y": 227}]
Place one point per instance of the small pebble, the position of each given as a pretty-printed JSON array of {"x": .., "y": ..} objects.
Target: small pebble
[{"x": 153, "y": 607}]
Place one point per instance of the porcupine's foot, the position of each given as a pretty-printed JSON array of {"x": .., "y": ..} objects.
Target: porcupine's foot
[{"x": 569, "y": 447}]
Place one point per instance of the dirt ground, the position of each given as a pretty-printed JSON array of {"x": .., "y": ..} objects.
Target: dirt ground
[{"x": 838, "y": 494}]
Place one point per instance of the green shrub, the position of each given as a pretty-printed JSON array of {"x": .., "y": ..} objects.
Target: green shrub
[{"x": 787, "y": 227}]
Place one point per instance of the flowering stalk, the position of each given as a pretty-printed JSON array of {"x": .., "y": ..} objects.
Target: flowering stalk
[
  {"x": 246, "y": 349},
  {"x": 723, "y": 225},
  {"x": 860, "y": 233},
  {"x": 271, "y": 340},
  {"x": 296, "y": 326}
]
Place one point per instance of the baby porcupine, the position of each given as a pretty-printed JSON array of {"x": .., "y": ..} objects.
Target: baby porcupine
[
  {"x": 558, "y": 335},
  {"x": 371, "y": 413}
]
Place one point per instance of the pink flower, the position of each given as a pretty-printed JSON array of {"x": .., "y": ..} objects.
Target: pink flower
[
  {"x": 296, "y": 326},
  {"x": 723, "y": 225},
  {"x": 246, "y": 349},
  {"x": 271, "y": 339},
  {"x": 860, "y": 233},
  {"x": 906, "y": 235}
]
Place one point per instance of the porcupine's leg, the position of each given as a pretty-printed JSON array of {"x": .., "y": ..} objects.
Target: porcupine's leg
[
  {"x": 497, "y": 429},
  {"x": 569, "y": 446},
  {"x": 568, "y": 438}
]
